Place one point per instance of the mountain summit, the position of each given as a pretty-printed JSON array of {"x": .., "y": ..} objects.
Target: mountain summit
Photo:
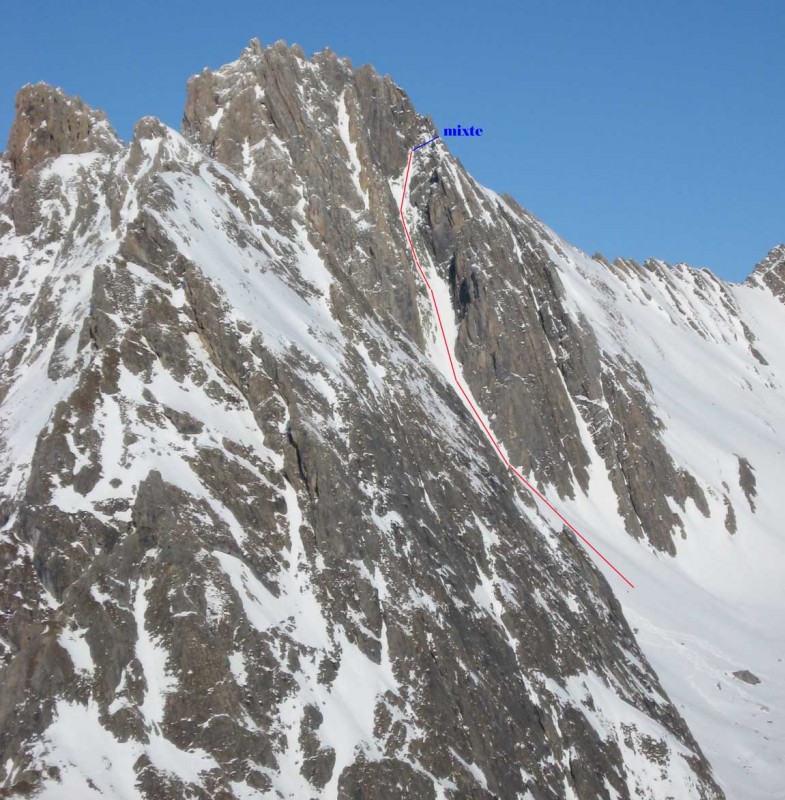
[
  {"x": 48, "y": 124},
  {"x": 254, "y": 544}
]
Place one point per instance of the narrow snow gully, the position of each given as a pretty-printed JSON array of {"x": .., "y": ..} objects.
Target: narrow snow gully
[{"x": 470, "y": 403}]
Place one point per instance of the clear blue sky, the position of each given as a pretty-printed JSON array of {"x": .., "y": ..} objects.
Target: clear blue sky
[{"x": 634, "y": 128}]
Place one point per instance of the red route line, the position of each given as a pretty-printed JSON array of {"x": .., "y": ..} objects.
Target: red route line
[{"x": 476, "y": 413}]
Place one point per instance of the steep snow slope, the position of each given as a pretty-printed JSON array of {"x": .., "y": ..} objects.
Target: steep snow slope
[{"x": 718, "y": 606}]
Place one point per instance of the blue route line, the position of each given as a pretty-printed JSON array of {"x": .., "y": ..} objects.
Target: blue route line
[{"x": 424, "y": 143}]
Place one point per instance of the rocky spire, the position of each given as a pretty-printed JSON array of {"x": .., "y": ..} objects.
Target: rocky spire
[
  {"x": 49, "y": 123},
  {"x": 771, "y": 271}
]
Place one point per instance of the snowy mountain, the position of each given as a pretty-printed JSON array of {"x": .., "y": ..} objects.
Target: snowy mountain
[{"x": 255, "y": 542}]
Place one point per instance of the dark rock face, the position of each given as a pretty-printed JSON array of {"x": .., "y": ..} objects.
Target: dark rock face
[
  {"x": 321, "y": 142},
  {"x": 502, "y": 280},
  {"x": 747, "y": 481},
  {"x": 49, "y": 123},
  {"x": 747, "y": 676},
  {"x": 252, "y": 541}
]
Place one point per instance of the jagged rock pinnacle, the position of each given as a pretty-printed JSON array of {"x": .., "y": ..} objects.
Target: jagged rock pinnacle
[
  {"x": 48, "y": 123},
  {"x": 771, "y": 271}
]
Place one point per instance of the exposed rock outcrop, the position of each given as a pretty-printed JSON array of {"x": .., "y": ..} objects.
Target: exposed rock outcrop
[
  {"x": 771, "y": 271},
  {"x": 49, "y": 123}
]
